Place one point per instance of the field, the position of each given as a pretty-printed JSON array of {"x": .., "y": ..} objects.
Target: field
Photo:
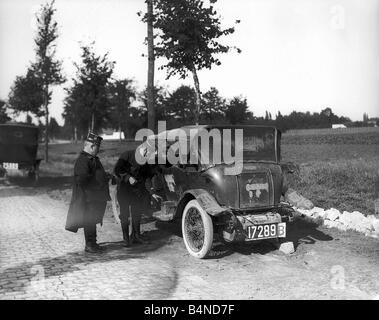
[{"x": 336, "y": 170}]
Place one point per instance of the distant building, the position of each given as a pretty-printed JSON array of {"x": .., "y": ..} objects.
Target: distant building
[
  {"x": 115, "y": 135},
  {"x": 338, "y": 126}
]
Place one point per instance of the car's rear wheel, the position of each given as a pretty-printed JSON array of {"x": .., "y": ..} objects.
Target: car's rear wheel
[{"x": 197, "y": 229}]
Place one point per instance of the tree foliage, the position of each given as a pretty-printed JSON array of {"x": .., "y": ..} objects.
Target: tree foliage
[
  {"x": 303, "y": 120},
  {"x": 121, "y": 94},
  {"x": 160, "y": 98},
  {"x": 188, "y": 35},
  {"x": 3, "y": 114},
  {"x": 26, "y": 94},
  {"x": 54, "y": 128},
  {"x": 213, "y": 106},
  {"x": 47, "y": 69},
  {"x": 87, "y": 105},
  {"x": 181, "y": 105},
  {"x": 237, "y": 111}
]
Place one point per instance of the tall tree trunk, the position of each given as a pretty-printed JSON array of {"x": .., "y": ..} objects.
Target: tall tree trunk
[
  {"x": 127, "y": 122},
  {"x": 198, "y": 95},
  {"x": 75, "y": 134},
  {"x": 376, "y": 195},
  {"x": 150, "y": 71},
  {"x": 93, "y": 121},
  {"x": 46, "y": 103},
  {"x": 119, "y": 128}
]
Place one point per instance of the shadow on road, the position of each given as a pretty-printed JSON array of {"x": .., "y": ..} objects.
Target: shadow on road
[
  {"x": 305, "y": 231},
  {"x": 58, "y": 182},
  {"x": 299, "y": 231},
  {"x": 71, "y": 262},
  {"x": 26, "y": 187}
]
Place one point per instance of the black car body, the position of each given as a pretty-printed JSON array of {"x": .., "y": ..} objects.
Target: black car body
[
  {"x": 241, "y": 206},
  {"x": 18, "y": 148}
]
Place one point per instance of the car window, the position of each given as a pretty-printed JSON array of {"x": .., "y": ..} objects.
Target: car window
[{"x": 258, "y": 145}]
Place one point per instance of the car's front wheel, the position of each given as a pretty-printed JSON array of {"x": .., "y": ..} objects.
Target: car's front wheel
[{"x": 197, "y": 229}]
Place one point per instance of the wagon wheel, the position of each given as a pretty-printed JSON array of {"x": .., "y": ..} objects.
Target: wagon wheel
[{"x": 197, "y": 229}]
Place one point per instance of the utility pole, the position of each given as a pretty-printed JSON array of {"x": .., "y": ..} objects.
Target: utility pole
[{"x": 150, "y": 70}]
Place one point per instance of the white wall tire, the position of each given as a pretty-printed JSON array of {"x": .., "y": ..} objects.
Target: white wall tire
[{"x": 197, "y": 230}]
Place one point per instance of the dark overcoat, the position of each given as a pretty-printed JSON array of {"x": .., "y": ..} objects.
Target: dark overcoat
[
  {"x": 126, "y": 167},
  {"x": 90, "y": 185}
]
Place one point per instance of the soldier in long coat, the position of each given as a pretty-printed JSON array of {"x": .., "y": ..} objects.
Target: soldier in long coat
[{"x": 90, "y": 193}]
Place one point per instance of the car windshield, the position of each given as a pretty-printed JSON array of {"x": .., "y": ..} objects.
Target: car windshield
[{"x": 255, "y": 144}]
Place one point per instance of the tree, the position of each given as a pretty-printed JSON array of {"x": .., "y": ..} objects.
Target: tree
[
  {"x": 54, "y": 128},
  {"x": 87, "y": 105},
  {"x": 213, "y": 106},
  {"x": 121, "y": 92},
  {"x": 138, "y": 119},
  {"x": 160, "y": 97},
  {"x": 188, "y": 37},
  {"x": 29, "y": 119},
  {"x": 237, "y": 111},
  {"x": 73, "y": 113},
  {"x": 279, "y": 121},
  {"x": 26, "y": 95},
  {"x": 47, "y": 69},
  {"x": 181, "y": 105},
  {"x": 151, "y": 62},
  {"x": 3, "y": 114}
]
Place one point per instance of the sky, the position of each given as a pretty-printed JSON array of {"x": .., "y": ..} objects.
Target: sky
[{"x": 302, "y": 55}]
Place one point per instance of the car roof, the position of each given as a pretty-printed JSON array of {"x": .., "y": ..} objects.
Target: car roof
[
  {"x": 226, "y": 126},
  {"x": 191, "y": 128}
]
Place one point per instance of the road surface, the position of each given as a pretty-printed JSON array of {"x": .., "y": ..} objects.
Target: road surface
[{"x": 40, "y": 260}]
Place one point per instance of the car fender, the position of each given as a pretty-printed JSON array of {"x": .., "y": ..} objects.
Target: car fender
[{"x": 205, "y": 199}]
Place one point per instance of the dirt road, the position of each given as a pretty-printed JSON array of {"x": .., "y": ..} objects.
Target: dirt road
[{"x": 39, "y": 259}]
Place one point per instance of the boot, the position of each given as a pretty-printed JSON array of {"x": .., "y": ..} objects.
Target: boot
[
  {"x": 91, "y": 248},
  {"x": 136, "y": 233},
  {"x": 125, "y": 234},
  {"x": 90, "y": 237}
]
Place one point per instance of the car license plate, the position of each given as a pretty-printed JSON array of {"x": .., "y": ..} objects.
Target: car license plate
[
  {"x": 10, "y": 166},
  {"x": 266, "y": 231}
]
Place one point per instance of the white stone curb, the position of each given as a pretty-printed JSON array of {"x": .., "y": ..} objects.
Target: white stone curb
[{"x": 333, "y": 218}]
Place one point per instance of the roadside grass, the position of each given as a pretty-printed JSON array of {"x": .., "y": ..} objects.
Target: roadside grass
[
  {"x": 361, "y": 138},
  {"x": 343, "y": 184},
  {"x": 337, "y": 170},
  {"x": 62, "y": 156}
]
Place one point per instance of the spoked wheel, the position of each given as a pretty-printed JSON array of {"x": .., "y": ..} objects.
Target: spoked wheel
[{"x": 197, "y": 229}]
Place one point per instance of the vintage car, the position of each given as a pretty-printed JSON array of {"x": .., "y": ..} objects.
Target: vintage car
[
  {"x": 18, "y": 149},
  {"x": 234, "y": 205}
]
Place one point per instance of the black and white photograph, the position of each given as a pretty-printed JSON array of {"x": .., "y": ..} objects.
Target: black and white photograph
[{"x": 196, "y": 151}]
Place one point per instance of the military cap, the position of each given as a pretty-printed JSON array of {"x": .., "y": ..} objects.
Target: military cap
[{"x": 94, "y": 138}]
